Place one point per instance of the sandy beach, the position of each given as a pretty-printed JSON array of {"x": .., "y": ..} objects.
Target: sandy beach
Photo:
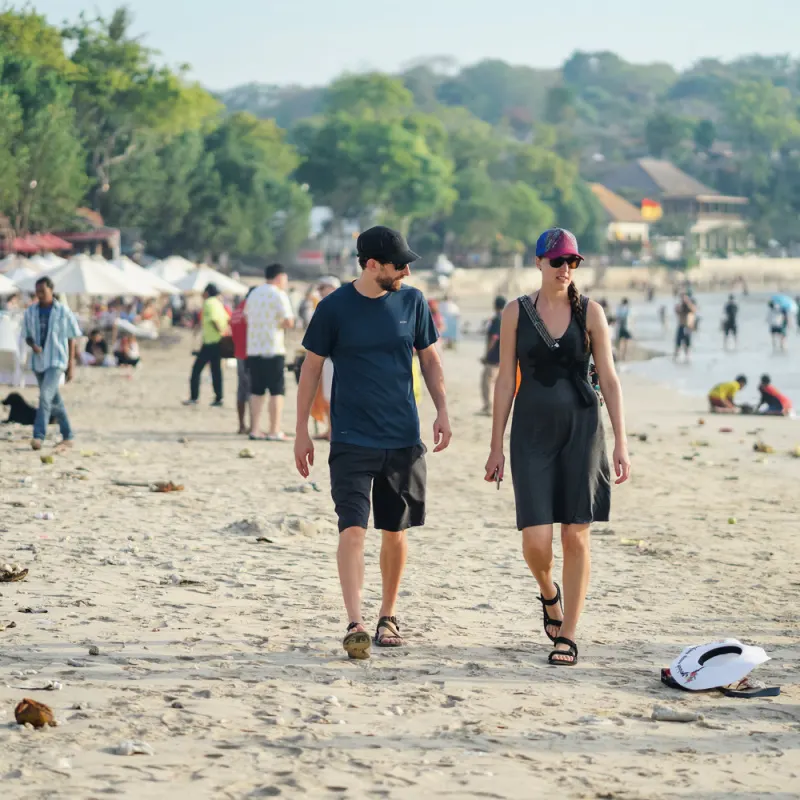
[{"x": 221, "y": 653}]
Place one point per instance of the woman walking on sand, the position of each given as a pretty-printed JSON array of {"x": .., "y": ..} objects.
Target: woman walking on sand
[{"x": 558, "y": 458}]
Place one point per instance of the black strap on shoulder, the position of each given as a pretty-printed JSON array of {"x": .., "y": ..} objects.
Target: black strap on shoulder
[{"x": 536, "y": 321}]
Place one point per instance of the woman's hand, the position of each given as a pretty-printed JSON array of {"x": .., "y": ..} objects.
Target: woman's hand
[
  {"x": 495, "y": 466},
  {"x": 622, "y": 462}
]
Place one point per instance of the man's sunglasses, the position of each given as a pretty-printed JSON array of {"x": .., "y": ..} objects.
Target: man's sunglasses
[{"x": 573, "y": 262}]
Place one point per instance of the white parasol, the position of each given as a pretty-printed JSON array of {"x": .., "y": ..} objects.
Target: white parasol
[
  {"x": 86, "y": 275},
  {"x": 7, "y": 287},
  {"x": 196, "y": 282},
  {"x": 133, "y": 270},
  {"x": 172, "y": 269}
]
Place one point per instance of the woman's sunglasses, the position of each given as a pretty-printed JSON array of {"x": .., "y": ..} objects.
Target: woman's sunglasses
[{"x": 573, "y": 262}]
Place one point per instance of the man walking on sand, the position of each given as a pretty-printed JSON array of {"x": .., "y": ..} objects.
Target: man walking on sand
[
  {"x": 269, "y": 314},
  {"x": 214, "y": 326},
  {"x": 50, "y": 330},
  {"x": 370, "y": 329}
]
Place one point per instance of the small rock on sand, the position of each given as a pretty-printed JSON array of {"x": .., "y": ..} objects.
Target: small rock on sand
[
  {"x": 666, "y": 714},
  {"x": 133, "y": 748}
]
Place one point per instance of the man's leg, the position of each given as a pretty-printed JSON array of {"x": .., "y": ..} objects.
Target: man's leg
[
  {"x": 215, "y": 357},
  {"x": 351, "y": 470},
  {"x": 242, "y": 393},
  {"x": 44, "y": 410},
  {"x": 256, "y": 407},
  {"x": 399, "y": 498},
  {"x": 350, "y": 560},
  {"x": 255, "y": 367},
  {"x": 486, "y": 387},
  {"x": 275, "y": 414},
  {"x": 197, "y": 370},
  {"x": 58, "y": 409},
  {"x": 277, "y": 389},
  {"x": 394, "y": 551}
]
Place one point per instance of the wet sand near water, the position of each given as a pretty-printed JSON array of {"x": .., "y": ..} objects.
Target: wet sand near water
[{"x": 221, "y": 653}]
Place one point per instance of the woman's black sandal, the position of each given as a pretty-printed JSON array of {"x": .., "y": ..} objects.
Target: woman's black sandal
[
  {"x": 356, "y": 644},
  {"x": 572, "y": 653},
  {"x": 391, "y": 631},
  {"x": 548, "y": 622}
]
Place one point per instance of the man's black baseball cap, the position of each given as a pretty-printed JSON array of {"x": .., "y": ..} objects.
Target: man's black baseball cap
[{"x": 385, "y": 245}]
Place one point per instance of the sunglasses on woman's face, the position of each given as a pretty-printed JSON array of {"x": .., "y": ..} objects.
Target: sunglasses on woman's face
[{"x": 573, "y": 262}]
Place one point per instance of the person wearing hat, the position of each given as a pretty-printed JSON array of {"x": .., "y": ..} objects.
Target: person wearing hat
[
  {"x": 370, "y": 329},
  {"x": 558, "y": 456},
  {"x": 720, "y": 398},
  {"x": 491, "y": 359}
]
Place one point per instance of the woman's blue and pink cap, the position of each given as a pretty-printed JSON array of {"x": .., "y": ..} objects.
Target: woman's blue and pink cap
[{"x": 557, "y": 242}]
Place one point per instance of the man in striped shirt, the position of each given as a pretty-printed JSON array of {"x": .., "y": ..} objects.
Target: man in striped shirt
[{"x": 50, "y": 329}]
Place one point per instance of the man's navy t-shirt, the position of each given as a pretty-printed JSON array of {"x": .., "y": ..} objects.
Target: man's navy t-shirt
[{"x": 371, "y": 342}]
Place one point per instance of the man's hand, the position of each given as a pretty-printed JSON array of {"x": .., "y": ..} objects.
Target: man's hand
[
  {"x": 70, "y": 373},
  {"x": 304, "y": 453},
  {"x": 441, "y": 432},
  {"x": 36, "y": 349}
]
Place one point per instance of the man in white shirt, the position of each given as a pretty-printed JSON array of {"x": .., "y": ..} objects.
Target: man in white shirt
[{"x": 269, "y": 314}]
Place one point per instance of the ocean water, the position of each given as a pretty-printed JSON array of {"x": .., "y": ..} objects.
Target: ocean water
[{"x": 710, "y": 363}]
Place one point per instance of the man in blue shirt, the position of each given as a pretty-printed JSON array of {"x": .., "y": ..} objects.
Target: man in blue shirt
[
  {"x": 370, "y": 329},
  {"x": 50, "y": 329}
]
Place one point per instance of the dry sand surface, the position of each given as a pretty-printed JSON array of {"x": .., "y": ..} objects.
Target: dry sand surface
[{"x": 222, "y": 653}]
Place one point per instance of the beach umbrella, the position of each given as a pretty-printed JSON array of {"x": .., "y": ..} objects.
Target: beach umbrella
[
  {"x": 172, "y": 269},
  {"x": 85, "y": 275},
  {"x": 12, "y": 262},
  {"x": 45, "y": 261},
  {"x": 785, "y": 302},
  {"x": 24, "y": 244},
  {"x": 20, "y": 274},
  {"x": 195, "y": 282},
  {"x": 7, "y": 287},
  {"x": 133, "y": 270}
]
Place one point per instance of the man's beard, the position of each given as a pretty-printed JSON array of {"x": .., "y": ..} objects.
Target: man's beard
[{"x": 390, "y": 284}]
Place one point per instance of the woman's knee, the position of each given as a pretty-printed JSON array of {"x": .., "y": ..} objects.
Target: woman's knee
[
  {"x": 575, "y": 539},
  {"x": 537, "y": 546}
]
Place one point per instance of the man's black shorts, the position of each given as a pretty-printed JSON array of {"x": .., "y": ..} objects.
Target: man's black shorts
[
  {"x": 396, "y": 479},
  {"x": 267, "y": 374}
]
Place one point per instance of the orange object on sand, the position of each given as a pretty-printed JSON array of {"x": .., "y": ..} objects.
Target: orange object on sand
[{"x": 519, "y": 380}]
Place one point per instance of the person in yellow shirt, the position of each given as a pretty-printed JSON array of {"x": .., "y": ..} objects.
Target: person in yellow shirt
[
  {"x": 214, "y": 326},
  {"x": 720, "y": 398}
]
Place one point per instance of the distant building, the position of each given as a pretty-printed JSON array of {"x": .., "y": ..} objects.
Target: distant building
[
  {"x": 715, "y": 221},
  {"x": 626, "y": 228}
]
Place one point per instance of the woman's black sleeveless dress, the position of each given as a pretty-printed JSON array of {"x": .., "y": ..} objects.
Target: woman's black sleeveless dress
[{"x": 558, "y": 453}]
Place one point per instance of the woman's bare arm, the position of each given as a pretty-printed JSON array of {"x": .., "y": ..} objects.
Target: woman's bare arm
[
  {"x": 506, "y": 384},
  {"x": 597, "y": 326}
]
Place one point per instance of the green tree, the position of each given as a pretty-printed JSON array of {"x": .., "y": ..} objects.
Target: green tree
[
  {"x": 663, "y": 132},
  {"x": 122, "y": 99},
  {"x": 705, "y": 133},
  {"x": 371, "y": 94},
  {"x": 26, "y": 34},
  {"x": 45, "y": 180}
]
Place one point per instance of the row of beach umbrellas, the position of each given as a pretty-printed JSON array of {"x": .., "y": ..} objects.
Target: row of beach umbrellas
[{"x": 120, "y": 277}]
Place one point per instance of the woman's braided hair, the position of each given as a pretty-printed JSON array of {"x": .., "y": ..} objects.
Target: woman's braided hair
[{"x": 577, "y": 312}]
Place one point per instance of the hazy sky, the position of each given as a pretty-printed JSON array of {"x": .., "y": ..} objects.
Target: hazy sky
[{"x": 229, "y": 42}]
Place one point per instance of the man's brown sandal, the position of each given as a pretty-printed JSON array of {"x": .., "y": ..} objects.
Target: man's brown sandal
[
  {"x": 391, "y": 630},
  {"x": 357, "y": 643}
]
